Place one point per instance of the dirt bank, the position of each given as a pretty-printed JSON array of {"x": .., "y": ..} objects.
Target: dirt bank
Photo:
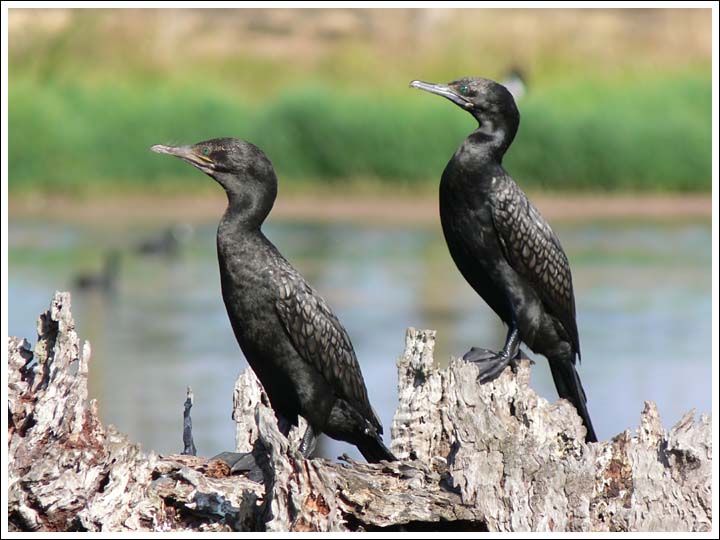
[{"x": 363, "y": 208}]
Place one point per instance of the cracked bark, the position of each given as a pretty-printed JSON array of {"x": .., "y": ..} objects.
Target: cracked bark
[{"x": 495, "y": 457}]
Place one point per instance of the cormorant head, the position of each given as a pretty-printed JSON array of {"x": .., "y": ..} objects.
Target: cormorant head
[
  {"x": 238, "y": 166},
  {"x": 490, "y": 103}
]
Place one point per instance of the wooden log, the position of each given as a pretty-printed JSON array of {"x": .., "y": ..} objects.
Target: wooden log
[{"x": 493, "y": 457}]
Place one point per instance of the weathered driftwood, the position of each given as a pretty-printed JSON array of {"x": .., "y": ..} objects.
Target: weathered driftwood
[
  {"x": 494, "y": 457},
  {"x": 188, "y": 442}
]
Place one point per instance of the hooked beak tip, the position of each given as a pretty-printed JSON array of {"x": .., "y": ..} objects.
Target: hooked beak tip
[{"x": 160, "y": 149}]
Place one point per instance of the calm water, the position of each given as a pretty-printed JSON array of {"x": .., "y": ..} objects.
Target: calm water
[{"x": 643, "y": 295}]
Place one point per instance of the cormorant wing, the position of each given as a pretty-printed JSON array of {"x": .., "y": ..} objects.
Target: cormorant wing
[
  {"x": 534, "y": 252},
  {"x": 321, "y": 340}
]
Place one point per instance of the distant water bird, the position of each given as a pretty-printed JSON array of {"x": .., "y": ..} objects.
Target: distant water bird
[
  {"x": 105, "y": 279},
  {"x": 503, "y": 246},
  {"x": 296, "y": 346},
  {"x": 168, "y": 243},
  {"x": 516, "y": 82}
]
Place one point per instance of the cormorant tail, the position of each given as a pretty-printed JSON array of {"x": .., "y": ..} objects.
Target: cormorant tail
[
  {"x": 567, "y": 382},
  {"x": 374, "y": 451}
]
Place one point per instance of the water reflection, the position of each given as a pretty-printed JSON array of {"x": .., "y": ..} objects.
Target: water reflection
[{"x": 643, "y": 295}]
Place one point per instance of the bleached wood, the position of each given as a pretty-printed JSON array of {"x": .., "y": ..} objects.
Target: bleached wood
[{"x": 494, "y": 457}]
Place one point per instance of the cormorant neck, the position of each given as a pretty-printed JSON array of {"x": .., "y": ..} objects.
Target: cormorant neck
[
  {"x": 249, "y": 203},
  {"x": 493, "y": 140}
]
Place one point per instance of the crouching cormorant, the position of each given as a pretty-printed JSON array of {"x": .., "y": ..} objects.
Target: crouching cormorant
[
  {"x": 166, "y": 244},
  {"x": 296, "y": 346},
  {"x": 503, "y": 246}
]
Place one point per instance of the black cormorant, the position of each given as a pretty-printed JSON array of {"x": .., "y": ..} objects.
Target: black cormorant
[
  {"x": 166, "y": 244},
  {"x": 296, "y": 346},
  {"x": 503, "y": 246},
  {"x": 104, "y": 280}
]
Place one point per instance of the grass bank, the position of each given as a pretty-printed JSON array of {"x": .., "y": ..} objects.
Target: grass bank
[{"x": 650, "y": 133}]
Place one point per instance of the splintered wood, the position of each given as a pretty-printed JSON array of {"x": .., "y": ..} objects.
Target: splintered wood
[{"x": 493, "y": 457}]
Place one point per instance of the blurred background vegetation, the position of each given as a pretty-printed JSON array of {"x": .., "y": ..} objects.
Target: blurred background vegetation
[{"x": 617, "y": 100}]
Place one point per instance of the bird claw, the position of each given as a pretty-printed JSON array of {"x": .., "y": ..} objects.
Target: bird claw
[
  {"x": 492, "y": 363},
  {"x": 478, "y": 354},
  {"x": 521, "y": 356},
  {"x": 492, "y": 368}
]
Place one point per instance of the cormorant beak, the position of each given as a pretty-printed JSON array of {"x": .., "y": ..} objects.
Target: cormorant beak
[
  {"x": 445, "y": 91},
  {"x": 186, "y": 153}
]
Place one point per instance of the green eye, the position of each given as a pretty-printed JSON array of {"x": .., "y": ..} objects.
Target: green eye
[
  {"x": 206, "y": 151},
  {"x": 464, "y": 90}
]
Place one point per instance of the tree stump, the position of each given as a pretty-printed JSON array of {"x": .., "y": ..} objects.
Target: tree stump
[{"x": 493, "y": 457}]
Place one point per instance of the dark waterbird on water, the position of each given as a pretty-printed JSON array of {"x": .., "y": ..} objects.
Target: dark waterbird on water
[
  {"x": 166, "y": 244},
  {"x": 296, "y": 346},
  {"x": 104, "y": 280},
  {"x": 503, "y": 246}
]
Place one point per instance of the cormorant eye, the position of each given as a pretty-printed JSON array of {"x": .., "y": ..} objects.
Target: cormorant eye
[
  {"x": 206, "y": 151},
  {"x": 464, "y": 90}
]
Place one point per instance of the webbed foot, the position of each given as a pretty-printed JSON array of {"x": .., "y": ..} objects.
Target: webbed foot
[
  {"x": 241, "y": 463},
  {"x": 492, "y": 363}
]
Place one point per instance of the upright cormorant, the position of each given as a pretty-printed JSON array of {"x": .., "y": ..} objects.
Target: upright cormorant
[
  {"x": 104, "y": 280},
  {"x": 503, "y": 246},
  {"x": 296, "y": 346}
]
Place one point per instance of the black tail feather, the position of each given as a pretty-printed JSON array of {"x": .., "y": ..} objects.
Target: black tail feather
[
  {"x": 374, "y": 451},
  {"x": 567, "y": 382}
]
